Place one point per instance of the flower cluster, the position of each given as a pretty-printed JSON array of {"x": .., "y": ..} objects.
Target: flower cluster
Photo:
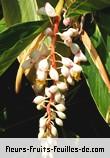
[{"x": 54, "y": 70}]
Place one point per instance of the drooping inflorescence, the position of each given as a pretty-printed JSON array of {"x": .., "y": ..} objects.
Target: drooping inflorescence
[{"x": 54, "y": 73}]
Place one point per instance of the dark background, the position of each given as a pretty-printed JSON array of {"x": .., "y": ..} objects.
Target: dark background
[{"x": 19, "y": 117}]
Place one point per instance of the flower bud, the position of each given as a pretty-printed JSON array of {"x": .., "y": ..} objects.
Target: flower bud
[
  {"x": 39, "y": 99},
  {"x": 43, "y": 65},
  {"x": 53, "y": 74},
  {"x": 50, "y": 11},
  {"x": 42, "y": 122},
  {"x": 60, "y": 107},
  {"x": 76, "y": 68},
  {"x": 59, "y": 121},
  {"x": 41, "y": 75},
  {"x": 54, "y": 131},
  {"x": 64, "y": 71},
  {"x": 62, "y": 86},
  {"x": 53, "y": 89},
  {"x": 75, "y": 48},
  {"x": 39, "y": 106},
  {"x": 58, "y": 97},
  {"x": 80, "y": 57},
  {"x": 67, "y": 62},
  {"x": 68, "y": 41},
  {"x": 70, "y": 80},
  {"x": 61, "y": 114},
  {"x": 47, "y": 92},
  {"x": 48, "y": 32},
  {"x": 66, "y": 21}
]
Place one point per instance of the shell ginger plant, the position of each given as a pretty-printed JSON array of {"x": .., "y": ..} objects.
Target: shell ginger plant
[{"x": 54, "y": 50}]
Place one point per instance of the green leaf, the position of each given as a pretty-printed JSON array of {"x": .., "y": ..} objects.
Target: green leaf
[
  {"x": 97, "y": 87},
  {"x": 18, "y": 11},
  {"x": 15, "y": 39},
  {"x": 2, "y": 25},
  {"x": 87, "y": 6}
]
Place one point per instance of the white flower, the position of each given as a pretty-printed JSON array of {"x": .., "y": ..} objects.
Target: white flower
[
  {"x": 62, "y": 86},
  {"x": 76, "y": 68},
  {"x": 65, "y": 71},
  {"x": 42, "y": 122},
  {"x": 79, "y": 57},
  {"x": 60, "y": 107},
  {"x": 54, "y": 131},
  {"x": 47, "y": 92},
  {"x": 61, "y": 114},
  {"x": 59, "y": 121},
  {"x": 53, "y": 74},
  {"x": 43, "y": 65},
  {"x": 53, "y": 89},
  {"x": 39, "y": 99},
  {"x": 58, "y": 97},
  {"x": 50, "y": 11},
  {"x": 68, "y": 41},
  {"x": 70, "y": 80},
  {"x": 67, "y": 62},
  {"x": 75, "y": 48},
  {"x": 41, "y": 75}
]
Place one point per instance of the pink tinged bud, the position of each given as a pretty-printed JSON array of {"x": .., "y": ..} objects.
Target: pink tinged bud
[
  {"x": 53, "y": 89},
  {"x": 27, "y": 64},
  {"x": 54, "y": 131},
  {"x": 62, "y": 86},
  {"x": 59, "y": 122},
  {"x": 58, "y": 97},
  {"x": 72, "y": 32},
  {"x": 75, "y": 48},
  {"x": 47, "y": 92},
  {"x": 60, "y": 107},
  {"x": 48, "y": 32},
  {"x": 61, "y": 114},
  {"x": 64, "y": 71},
  {"x": 67, "y": 62},
  {"x": 50, "y": 11},
  {"x": 38, "y": 99},
  {"x": 80, "y": 57},
  {"x": 70, "y": 80},
  {"x": 42, "y": 122},
  {"x": 53, "y": 74},
  {"x": 67, "y": 21},
  {"x": 68, "y": 41},
  {"x": 43, "y": 65},
  {"x": 41, "y": 75}
]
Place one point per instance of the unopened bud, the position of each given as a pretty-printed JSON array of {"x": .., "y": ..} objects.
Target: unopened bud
[
  {"x": 50, "y": 11},
  {"x": 38, "y": 99},
  {"x": 58, "y": 97},
  {"x": 60, "y": 107},
  {"x": 43, "y": 65},
  {"x": 41, "y": 75},
  {"x": 70, "y": 80},
  {"x": 53, "y": 74},
  {"x": 80, "y": 57},
  {"x": 65, "y": 71},
  {"x": 59, "y": 121},
  {"x": 42, "y": 122},
  {"x": 47, "y": 92},
  {"x": 48, "y": 32},
  {"x": 62, "y": 86},
  {"x": 61, "y": 114},
  {"x": 53, "y": 89},
  {"x": 75, "y": 48},
  {"x": 67, "y": 62}
]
